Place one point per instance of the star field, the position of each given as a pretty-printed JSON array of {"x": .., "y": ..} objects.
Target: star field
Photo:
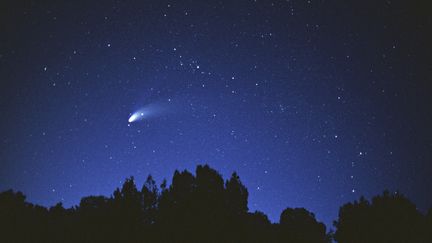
[{"x": 313, "y": 103}]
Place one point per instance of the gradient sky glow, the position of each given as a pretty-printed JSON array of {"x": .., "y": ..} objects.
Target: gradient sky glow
[{"x": 313, "y": 103}]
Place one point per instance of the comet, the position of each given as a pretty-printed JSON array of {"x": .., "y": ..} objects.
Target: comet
[
  {"x": 136, "y": 116},
  {"x": 146, "y": 112},
  {"x": 140, "y": 115}
]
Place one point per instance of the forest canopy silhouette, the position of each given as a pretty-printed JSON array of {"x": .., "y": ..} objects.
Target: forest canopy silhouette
[{"x": 204, "y": 208}]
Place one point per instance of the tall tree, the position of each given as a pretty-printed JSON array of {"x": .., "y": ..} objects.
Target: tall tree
[
  {"x": 236, "y": 195},
  {"x": 127, "y": 210},
  {"x": 150, "y": 197}
]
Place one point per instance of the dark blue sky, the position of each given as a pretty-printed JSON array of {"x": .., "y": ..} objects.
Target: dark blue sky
[{"x": 313, "y": 103}]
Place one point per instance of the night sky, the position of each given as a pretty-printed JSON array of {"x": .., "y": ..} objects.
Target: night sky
[{"x": 313, "y": 103}]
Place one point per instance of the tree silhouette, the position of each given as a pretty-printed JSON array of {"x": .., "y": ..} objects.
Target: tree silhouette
[
  {"x": 175, "y": 207},
  {"x": 208, "y": 200},
  {"x": 127, "y": 210},
  {"x": 13, "y": 210},
  {"x": 203, "y": 208},
  {"x": 300, "y": 225},
  {"x": 388, "y": 218},
  {"x": 428, "y": 225},
  {"x": 96, "y": 221},
  {"x": 150, "y": 197},
  {"x": 236, "y": 195}
]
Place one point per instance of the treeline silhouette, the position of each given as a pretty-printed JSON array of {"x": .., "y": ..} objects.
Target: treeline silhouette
[{"x": 204, "y": 208}]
